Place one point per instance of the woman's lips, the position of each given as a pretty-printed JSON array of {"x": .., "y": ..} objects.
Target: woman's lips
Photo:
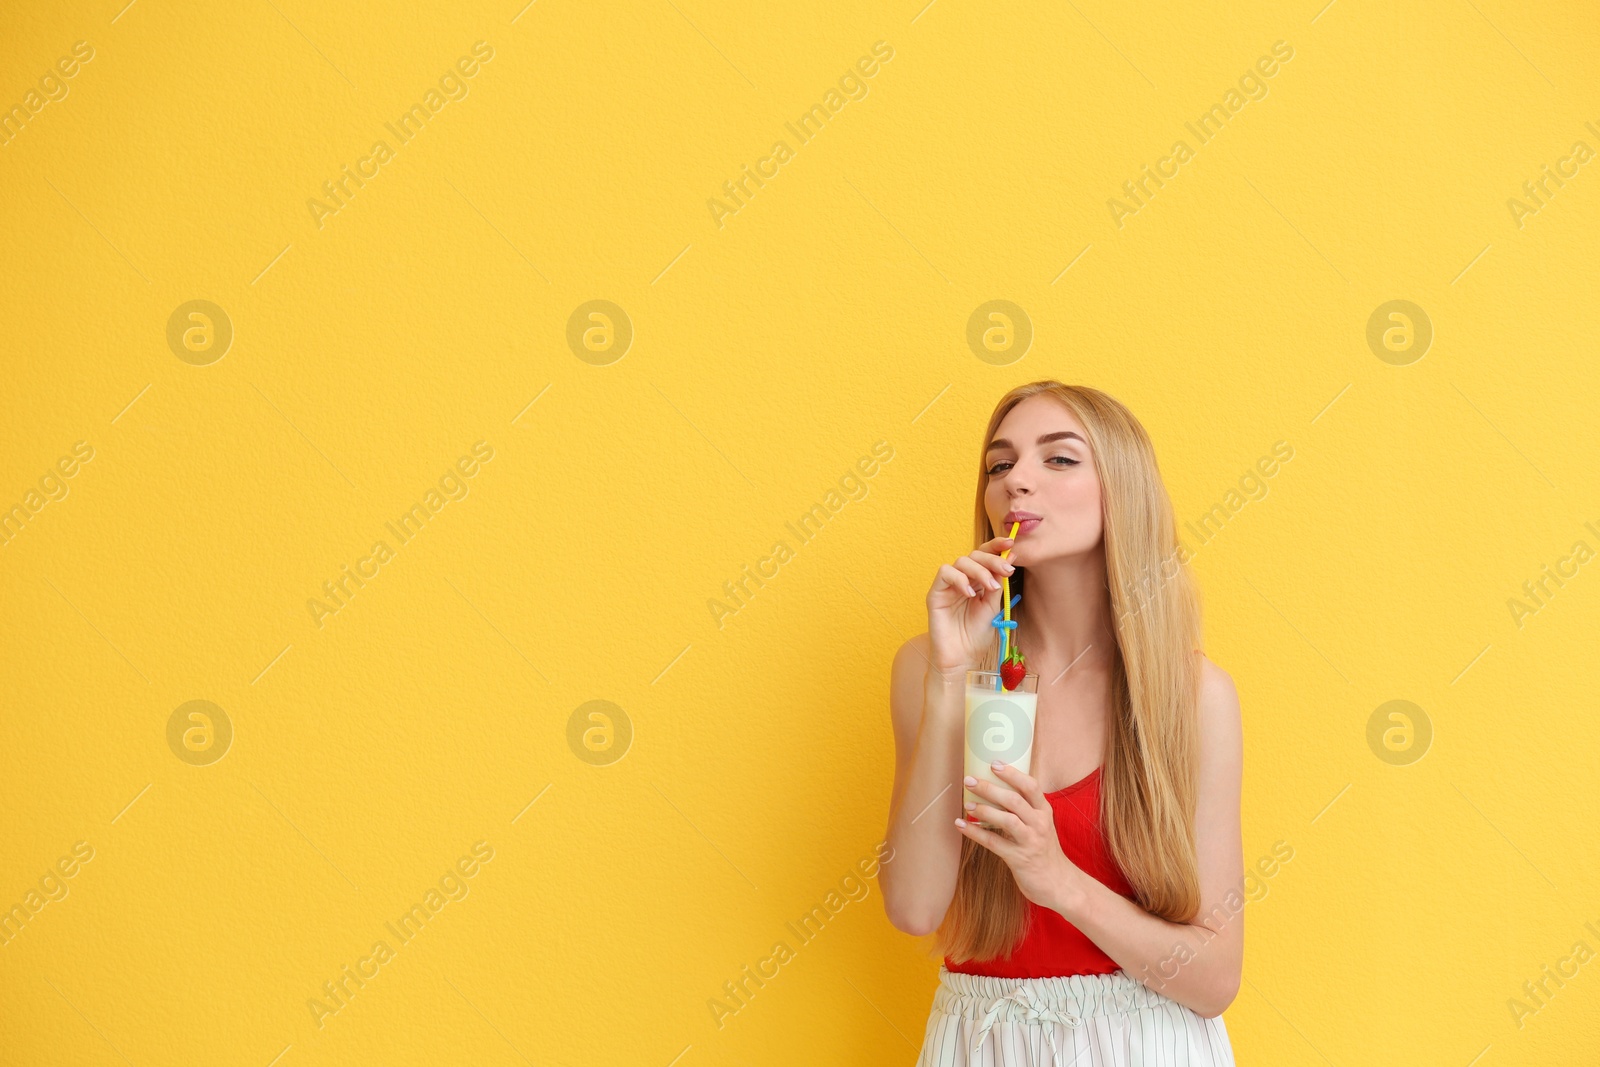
[{"x": 1027, "y": 526}]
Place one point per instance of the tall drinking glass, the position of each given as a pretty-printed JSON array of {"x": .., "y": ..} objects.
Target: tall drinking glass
[{"x": 1000, "y": 724}]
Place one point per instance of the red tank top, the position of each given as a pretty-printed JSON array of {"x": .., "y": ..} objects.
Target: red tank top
[{"x": 1052, "y": 945}]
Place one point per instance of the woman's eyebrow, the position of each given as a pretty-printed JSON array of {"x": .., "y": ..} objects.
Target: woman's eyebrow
[{"x": 1059, "y": 435}]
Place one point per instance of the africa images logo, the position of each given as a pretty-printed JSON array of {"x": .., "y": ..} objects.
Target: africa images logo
[
  {"x": 851, "y": 86},
  {"x": 452, "y": 86},
  {"x": 1252, "y": 86},
  {"x": 998, "y": 730}
]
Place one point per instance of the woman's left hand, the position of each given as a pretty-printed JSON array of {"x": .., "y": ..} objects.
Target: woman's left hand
[{"x": 1027, "y": 839}]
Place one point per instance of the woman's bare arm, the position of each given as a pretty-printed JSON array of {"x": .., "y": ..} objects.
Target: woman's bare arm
[
  {"x": 1198, "y": 964},
  {"x": 927, "y": 707}
]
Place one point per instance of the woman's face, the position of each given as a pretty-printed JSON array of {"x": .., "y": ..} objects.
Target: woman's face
[{"x": 1039, "y": 465}]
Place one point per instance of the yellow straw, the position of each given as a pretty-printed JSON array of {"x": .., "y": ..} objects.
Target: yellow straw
[{"x": 1005, "y": 579}]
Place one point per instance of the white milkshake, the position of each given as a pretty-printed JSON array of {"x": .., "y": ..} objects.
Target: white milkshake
[{"x": 1000, "y": 724}]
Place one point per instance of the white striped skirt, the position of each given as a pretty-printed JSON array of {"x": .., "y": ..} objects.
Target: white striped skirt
[{"x": 1082, "y": 1020}]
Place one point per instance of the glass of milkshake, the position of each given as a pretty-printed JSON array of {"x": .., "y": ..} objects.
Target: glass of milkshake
[{"x": 1000, "y": 725}]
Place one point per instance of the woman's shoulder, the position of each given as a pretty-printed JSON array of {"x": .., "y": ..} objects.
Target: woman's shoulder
[
  {"x": 906, "y": 676},
  {"x": 1212, "y": 675},
  {"x": 1221, "y": 721},
  {"x": 915, "y": 648},
  {"x": 911, "y": 663},
  {"x": 1216, "y": 684}
]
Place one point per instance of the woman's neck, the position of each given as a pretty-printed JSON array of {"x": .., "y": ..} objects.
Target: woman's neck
[{"x": 1066, "y": 619}]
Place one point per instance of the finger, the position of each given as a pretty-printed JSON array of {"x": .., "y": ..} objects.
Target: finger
[
  {"x": 997, "y": 544},
  {"x": 996, "y": 818},
  {"x": 996, "y": 564},
  {"x": 1025, "y": 785},
  {"x": 998, "y": 795},
  {"x": 977, "y": 572},
  {"x": 990, "y": 840},
  {"x": 954, "y": 579}
]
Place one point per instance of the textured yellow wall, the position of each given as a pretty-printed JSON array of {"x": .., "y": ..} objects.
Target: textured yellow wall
[{"x": 228, "y": 383}]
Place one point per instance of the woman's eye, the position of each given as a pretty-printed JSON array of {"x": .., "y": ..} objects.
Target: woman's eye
[{"x": 1066, "y": 461}]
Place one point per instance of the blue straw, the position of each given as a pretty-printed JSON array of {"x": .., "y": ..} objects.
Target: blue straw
[{"x": 1004, "y": 625}]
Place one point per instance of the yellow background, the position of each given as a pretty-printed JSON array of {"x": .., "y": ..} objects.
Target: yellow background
[{"x": 768, "y": 355}]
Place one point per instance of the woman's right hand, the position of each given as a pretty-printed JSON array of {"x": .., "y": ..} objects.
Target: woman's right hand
[{"x": 962, "y": 604}]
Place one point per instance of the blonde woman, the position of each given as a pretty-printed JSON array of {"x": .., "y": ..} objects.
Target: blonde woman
[{"x": 1100, "y": 920}]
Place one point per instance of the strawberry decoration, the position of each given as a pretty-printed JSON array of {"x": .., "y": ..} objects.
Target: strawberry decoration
[{"x": 1013, "y": 669}]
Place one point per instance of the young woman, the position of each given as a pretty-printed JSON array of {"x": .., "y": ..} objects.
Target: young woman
[{"x": 1089, "y": 927}]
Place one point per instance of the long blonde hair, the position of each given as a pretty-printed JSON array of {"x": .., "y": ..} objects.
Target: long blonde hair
[{"x": 1148, "y": 769}]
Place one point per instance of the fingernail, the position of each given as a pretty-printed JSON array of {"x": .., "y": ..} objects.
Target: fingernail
[
  {"x": 971, "y": 804},
  {"x": 969, "y": 780},
  {"x": 997, "y": 765},
  {"x": 1009, "y": 568},
  {"x": 961, "y": 823}
]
